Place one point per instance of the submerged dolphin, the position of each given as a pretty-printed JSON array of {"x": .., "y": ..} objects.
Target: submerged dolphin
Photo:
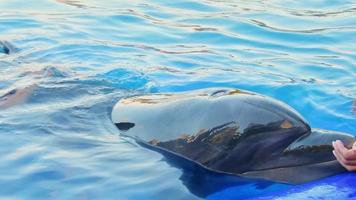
[
  {"x": 16, "y": 96},
  {"x": 231, "y": 131},
  {"x": 7, "y": 47}
]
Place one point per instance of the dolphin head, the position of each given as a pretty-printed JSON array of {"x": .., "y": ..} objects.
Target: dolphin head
[{"x": 231, "y": 131}]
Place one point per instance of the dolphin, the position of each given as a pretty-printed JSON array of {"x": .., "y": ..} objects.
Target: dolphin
[
  {"x": 7, "y": 48},
  {"x": 16, "y": 96},
  {"x": 233, "y": 132}
]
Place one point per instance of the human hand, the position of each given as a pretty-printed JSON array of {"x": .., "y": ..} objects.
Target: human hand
[{"x": 346, "y": 157}]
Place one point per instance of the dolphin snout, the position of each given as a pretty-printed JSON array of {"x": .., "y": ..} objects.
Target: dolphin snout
[{"x": 320, "y": 140}]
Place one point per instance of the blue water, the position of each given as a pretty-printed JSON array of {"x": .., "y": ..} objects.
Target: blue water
[{"x": 80, "y": 57}]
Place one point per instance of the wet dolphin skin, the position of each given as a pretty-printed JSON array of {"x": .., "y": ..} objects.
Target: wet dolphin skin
[{"x": 232, "y": 131}]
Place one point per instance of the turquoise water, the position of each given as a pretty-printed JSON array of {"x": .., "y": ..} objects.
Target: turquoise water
[{"x": 81, "y": 57}]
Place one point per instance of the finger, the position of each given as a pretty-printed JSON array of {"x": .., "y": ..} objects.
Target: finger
[
  {"x": 338, "y": 158},
  {"x": 334, "y": 145},
  {"x": 354, "y": 147},
  {"x": 348, "y": 167},
  {"x": 343, "y": 160},
  {"x": 346, "y": 153},
  {"x": 337, "y": 149}
]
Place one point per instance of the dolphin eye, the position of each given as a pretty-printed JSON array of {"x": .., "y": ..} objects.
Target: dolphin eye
[
  {"x": 12, "y": 92},
  {"x": 286, "y": 124}
]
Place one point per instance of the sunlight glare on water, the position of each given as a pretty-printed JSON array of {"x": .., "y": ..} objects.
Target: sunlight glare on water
[{"x": 77, "y": 58}]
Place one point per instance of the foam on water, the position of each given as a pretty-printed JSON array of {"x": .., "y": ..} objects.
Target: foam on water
[{"x": 80, "y": 57}]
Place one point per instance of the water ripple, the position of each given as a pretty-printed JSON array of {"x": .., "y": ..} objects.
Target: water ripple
[{"x": 67, "y": 62}]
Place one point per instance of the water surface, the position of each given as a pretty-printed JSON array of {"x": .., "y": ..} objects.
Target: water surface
[{"x": 80, "y": 57}]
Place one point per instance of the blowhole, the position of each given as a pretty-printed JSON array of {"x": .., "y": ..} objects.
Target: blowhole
[
  {"x": 219, "y": 93},
  {"x": 124, "y": 126}
]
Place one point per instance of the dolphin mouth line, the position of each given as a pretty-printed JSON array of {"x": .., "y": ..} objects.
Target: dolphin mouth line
[
  {"x": 287, "y": 166},
  {"x": 307, "y": 173},
  {"x": 248, "y": 174}
]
